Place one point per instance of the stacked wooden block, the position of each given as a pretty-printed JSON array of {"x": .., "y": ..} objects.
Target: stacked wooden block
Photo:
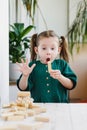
[{"x": 23, "y": 108}]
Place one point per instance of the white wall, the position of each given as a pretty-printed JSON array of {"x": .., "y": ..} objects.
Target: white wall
[
  {"x": 12, "y": 12},
  {"x": 4, "y": 73},
  {"x": 13, "y": 93},
  {"x": 55, "y": 13}
]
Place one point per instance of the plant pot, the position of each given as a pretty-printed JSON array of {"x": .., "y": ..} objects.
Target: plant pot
[{"x": 14, "y": 73}]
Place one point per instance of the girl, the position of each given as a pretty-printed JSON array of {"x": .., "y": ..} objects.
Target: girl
[{"x": 47, "y": 86}]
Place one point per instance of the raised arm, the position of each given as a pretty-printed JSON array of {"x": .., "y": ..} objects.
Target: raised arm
[{"x": 26, "y": 70}]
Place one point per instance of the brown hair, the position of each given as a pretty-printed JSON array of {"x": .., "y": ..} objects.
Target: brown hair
[
  {"x": 64, "y": 53},
  {"x": 46, "y": 34}
]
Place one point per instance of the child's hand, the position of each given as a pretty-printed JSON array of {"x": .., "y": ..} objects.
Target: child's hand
[
  {"x": 55, "y": 74},
  {"x": 24, "y": 68}
]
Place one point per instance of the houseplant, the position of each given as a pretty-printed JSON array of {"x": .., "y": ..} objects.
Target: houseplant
[
  {"x": 77, "y": 33},
  {"x": 18, "y": 41},
  {"x": 18, "y": 45}
]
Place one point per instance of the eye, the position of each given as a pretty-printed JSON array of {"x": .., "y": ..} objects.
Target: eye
[
  {"x": 52, "y": 48},
  {"x": 44, "y": 48}
]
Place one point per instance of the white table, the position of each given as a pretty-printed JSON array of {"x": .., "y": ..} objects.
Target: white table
[{"x": 72, "y": 116}]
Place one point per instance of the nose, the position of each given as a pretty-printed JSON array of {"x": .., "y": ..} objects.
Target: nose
[{"x": 48, "y": 52}]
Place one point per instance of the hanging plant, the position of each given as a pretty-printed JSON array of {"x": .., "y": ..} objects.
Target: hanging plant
[
  {"x": 30, "y": 6},
  {"x": 78, "y": 30}
]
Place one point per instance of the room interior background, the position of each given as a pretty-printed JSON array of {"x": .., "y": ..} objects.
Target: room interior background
[{"x": 59, "y": 16}]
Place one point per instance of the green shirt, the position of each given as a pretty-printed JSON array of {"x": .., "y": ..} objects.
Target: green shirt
[{"x": 43, "y": 87}]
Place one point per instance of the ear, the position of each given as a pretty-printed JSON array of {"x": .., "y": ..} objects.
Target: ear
[
  {"x": 59, "y": 50},
  {"x": 36, "y": 50}
]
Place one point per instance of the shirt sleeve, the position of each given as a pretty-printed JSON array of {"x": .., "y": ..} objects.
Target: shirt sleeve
[
  {"x": 18, "y": 80},
  {"x": 69, "y": 73},
  {"x": 29, "y": 86}
]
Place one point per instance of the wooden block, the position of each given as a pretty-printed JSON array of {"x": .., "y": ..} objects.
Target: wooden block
[
  {"x": 34, "y": 105},
  {"x": 42, "y": 118},
  {"x": 13, "y": 104},
  {"x": 49, "y": 66},
  {"x": 23, "y": 94},
  {"x": 7, "y": 111},
  {"x": 4, "y": 116},
  {"x": 8, "y": 127},
  {"x": 20, "y": 108},
  {"x": 6, "y": 105},
  {"x": 39, "y": 110},
  {"x": 43, "y": 109},
  {"x": 15, "y": 118},
  {"x": 21, "y": 113},
  {"x": 30, "y": 112},
  {"x": 34, "y": 126},
  {"x": 13, "y": 109}
]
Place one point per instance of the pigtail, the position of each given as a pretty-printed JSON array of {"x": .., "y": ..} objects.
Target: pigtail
[
  {"x": 33, "y": 44},
  {"x": 64, "y": 49}
]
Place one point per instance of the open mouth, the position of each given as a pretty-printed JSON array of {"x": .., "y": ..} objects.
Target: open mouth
[{"x": 48, "y": 59}]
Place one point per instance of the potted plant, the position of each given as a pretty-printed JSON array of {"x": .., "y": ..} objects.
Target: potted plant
[
  {"x": 78, "y": 30},
  {"x": 18, "y": 45}
]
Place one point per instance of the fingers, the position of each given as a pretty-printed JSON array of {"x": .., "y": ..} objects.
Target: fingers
[
  {"x": 18, "y": 64},
  {"x": 27, "y": 61},
  {"x": 55, "y": 73},
  {"x": 22, "y": 60},
  {"x": 23, "y": 65},
  {"x": 32, "y": 67},
  {"x": 24, "y": 68}
]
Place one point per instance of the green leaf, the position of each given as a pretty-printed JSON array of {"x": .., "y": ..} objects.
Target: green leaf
[
  {"x": 18, "y": 41},
  {"x": 26, "y": 31}
]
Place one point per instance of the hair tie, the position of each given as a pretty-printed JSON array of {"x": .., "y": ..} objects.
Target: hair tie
[{"x": 60, "y": 40}]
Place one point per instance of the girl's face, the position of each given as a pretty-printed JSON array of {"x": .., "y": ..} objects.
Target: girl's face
[{"x": 48, "y": 49}]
